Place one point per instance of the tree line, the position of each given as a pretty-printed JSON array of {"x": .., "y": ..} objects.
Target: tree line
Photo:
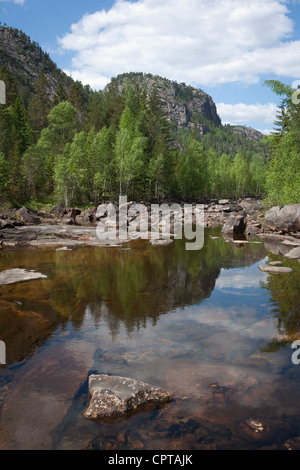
[{"x": 79, "y": 147}]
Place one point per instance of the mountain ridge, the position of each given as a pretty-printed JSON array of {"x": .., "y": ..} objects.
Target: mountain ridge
[{"x": 185, "y": 106}]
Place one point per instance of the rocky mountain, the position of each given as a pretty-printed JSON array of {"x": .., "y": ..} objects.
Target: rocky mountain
[
  {"x": 26, "y": 59},
  {"x": 247, "y": 132},
  {"x": 185, "y": 106}
]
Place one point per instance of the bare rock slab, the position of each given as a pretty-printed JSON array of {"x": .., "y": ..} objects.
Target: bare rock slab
[
  {"x": 12, "y": 276},
  {"x": 275, "y": 269},
  {"x": 294, "y": 254},
  {"x": 113, "y": 397}
]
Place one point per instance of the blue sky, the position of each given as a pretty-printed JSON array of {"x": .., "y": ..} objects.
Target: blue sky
[{"x": 225, "y": 47}]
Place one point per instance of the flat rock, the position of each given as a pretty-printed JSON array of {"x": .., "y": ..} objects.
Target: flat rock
[
  {"x": 13, "y": 276},
  {"x": 275, "y": 269},
  {"x": 64, "y": 248},
  {"x": 275, "y": 263},
  {"x": 294, "y": 254},
  {"x": 112, "y": 397},
  {"x": 160, "y": 242}
]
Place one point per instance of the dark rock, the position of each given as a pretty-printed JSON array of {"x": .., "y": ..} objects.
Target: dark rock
[
  {"x": 235, "y": 225},
  {"x": 114, "y": 397},
  {"x": 6, "y": 224},
  {"x": 71, "y": 214},
  {"x": 251, "y": 205},
  {"x": 285, "y": 218},
  {"x": 27, "y": 217},
  {"x": 87, "y": 217},
  {"x": 232, "y": 208},
  {"x": 58, "y": 210}
]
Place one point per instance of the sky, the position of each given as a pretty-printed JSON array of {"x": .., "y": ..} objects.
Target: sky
[{"x": 227, "y": 48}]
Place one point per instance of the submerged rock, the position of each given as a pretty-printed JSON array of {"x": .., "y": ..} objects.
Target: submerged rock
[
  {"x": 113, "y": 396},
  {"x": 161, "y": 242},
  {"x": 13, "y": 276}
]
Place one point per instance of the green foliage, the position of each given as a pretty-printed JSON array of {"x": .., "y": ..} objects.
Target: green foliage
[
  {"x": 283, "y": 173},
  {"x": 81, "y": 146}
]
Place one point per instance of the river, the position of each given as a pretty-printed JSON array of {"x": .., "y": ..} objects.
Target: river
[{"x": 206, "y": 325}]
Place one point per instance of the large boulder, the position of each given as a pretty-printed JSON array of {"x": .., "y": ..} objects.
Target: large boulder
[
  {"x": 87, "y": 217},
  {"x": 112, "y": 397},
  {"x": 235, "y": 225},
  {"x": 27, "y": 217},
  {"x": 284, "y": 218},
  {"x": 6, "y": 224}
]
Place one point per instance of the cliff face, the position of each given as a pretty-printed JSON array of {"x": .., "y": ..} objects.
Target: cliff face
[
  {"x": 26, "y": 59},
  {"x": 247, "y": 132},
  {"x": 184, "y": 105}
]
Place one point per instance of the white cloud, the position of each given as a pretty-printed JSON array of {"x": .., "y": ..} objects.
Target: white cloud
[
  {"x": 242, "y": 113},
  {"x": 18, "y": 2},
  {"x": 201, "y": 42}
]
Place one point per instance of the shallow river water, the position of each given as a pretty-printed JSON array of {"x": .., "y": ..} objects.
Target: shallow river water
[{"x": 206, "y": 325}]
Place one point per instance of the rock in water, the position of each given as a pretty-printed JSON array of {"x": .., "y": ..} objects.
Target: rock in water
[
  {"x": 13, "y": 276},
  {"x": 113, "y": 396},
  {"x": 275, "y": 269},
  {"x": 234, "y": 225}
]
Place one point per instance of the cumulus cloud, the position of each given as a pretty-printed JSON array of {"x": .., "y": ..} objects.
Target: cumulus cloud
[
  {"x": 242, "y": 113},
  {"x": 201, "y": 42}
]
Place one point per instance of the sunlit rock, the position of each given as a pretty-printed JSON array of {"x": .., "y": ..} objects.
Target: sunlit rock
[
  {"x": 13, "y": 276},
  {"x": 275, "y": 269},
  {"x": 114, "y": 397}
]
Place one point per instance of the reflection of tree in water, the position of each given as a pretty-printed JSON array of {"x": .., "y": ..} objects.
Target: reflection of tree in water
[
  {"x": 285, "y": 300},
  {"x": 128, "y": 287}
]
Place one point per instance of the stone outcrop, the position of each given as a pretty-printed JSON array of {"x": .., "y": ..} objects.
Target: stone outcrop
[
  {"x": 284, "y": 218},
  {"x": 113, "y": 397},
  {"x": 235, "y": 225},
  {"x": 26, "y": 59},
  {"x": 180, "y": 102},
  {"x": 27, "y": 217}
]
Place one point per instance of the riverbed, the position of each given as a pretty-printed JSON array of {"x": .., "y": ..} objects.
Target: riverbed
[{"x": 208, "y": 326}]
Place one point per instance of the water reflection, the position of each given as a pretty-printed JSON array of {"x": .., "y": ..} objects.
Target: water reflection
[
  {"x": 200, "y": 324},
  {"x": 129, "y": 286}
]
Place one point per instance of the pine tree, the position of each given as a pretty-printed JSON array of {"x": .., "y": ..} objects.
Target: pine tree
[
  {"x": 76, "y": 96},
  {"x": 40, "y": 105}
]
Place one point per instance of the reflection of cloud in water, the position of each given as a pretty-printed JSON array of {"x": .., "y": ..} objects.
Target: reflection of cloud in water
[
  {"x": 244, "y": 321},
  {"x": 240, "y": 278}
]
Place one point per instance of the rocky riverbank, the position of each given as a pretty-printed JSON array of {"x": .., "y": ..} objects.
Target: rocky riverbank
[{"x": 240, "y": 220}]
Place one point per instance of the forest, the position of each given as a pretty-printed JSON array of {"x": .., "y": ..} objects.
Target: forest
[{"x": 80, "y": 147}]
